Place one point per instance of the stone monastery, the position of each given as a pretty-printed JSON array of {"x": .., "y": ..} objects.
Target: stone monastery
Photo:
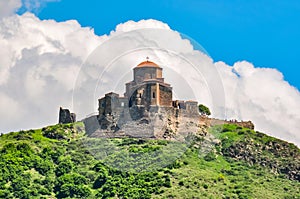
[{"x": 147, "y": 110}]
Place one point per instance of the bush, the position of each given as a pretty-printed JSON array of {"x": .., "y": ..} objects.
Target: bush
[
  {"x": 73, "y": 179},
  {"x": 204, "y": 110},
  {"x": 99, "y": 182},
  {"x": 73, "y": 191},
  {"x": 65, "y": 166},
  {"x": 44, "y": 166},
  {"x": 211, "y": 156},
  {"x": 9, "y": 148},
  {"x": 54, "y": 132}
]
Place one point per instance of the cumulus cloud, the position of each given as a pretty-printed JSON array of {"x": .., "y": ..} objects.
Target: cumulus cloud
[
  {"x": 39, "y": 63},
  {"x": 9, "y": 7},
  {"x": 142, "y": 24},
  {"x": 43, "y": 61},
  {"x": 263, "y": 96}
]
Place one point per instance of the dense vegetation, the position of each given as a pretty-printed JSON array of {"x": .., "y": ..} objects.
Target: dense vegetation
[{"x": 61, "y": 162}]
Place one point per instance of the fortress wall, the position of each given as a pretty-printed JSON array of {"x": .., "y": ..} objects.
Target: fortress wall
[
  {"x": 212, "y": 121},
  {"x": 165, "y": 96}
]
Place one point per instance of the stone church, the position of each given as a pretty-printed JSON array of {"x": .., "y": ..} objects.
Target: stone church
[
  {"x": 146, "y": 110},
  {"x": 147, "y": 107}
]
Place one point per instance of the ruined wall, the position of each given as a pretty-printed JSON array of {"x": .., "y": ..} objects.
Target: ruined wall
[
  {"x": 112, "y": 104},
  {"x": 65, "y": 116},
  {"x": 245, "y": 124},
  {"x": 165, "y": 96},
  {"x": 213, "y": 121},
  {"x": 101, "y": 106},
  {"x": 191, "y": 108},
  {"x": 186, "y": 108}
]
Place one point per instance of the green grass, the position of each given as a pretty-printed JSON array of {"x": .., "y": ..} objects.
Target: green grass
[
  {"x": 223, "y": 179},
  {"x": 60, "y": 161}
]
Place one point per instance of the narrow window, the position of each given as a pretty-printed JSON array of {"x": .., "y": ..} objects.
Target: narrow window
[{"x": 153, "y": 95}]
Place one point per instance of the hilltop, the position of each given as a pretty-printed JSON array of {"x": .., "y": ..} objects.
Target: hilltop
[{"x": 223, "y": 161}]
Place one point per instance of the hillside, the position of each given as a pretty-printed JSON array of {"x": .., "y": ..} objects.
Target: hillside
[{"x": 224, "y": 161}]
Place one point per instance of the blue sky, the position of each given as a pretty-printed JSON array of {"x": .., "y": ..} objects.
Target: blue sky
[{"x": 265, "y": 33}]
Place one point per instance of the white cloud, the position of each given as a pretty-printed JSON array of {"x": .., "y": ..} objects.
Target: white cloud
[
  {"x": 142, "y": 24},
  {"x": 263, "y": 96},
  {"x": 8, "y": 115},
  {"x": 40, "y": 61},
  {"x": 9, "y": 7},
  {"x": 38, "y": 66},
  {"x": 35, "y": 5}
]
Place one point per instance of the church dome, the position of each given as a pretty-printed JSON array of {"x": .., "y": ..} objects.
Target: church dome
[{"x": 147, "y": 64}]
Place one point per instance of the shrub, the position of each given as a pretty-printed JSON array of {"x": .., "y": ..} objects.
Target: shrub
[
  {"x": 204, "y": 110},
  {"x": 210, "y": 156},
  {"x": 72, "y": 178},
  {"x": 65, "y": 166},
  {"x": 99, "y": 182},
  {"x": 44, "y": 166}
]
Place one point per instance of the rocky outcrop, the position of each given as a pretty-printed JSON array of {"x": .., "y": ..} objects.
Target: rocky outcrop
[
  {"x": 279, "y": 156},
  {"x": 160, "y": 123}
]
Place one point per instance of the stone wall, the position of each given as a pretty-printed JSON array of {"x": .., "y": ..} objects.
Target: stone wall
[
  {"x": 65, "y": 116},
  {"x": 112, "y": 104},
  {"x": 213, "y": 121},
  {"x": 165, "y": 96},
  {"x": 159, "y": 122},
  {"x": 142, "y": 74},
  {"x": 151, "y": 94}
]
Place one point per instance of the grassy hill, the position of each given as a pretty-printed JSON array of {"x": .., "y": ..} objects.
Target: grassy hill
[{"x": 225, "y": 162}]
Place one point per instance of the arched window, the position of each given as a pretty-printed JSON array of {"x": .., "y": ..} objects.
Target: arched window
[{"x": 153, "y": 95}]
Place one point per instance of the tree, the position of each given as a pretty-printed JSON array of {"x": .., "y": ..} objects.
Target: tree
[{"x": 204, "y": 110}]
